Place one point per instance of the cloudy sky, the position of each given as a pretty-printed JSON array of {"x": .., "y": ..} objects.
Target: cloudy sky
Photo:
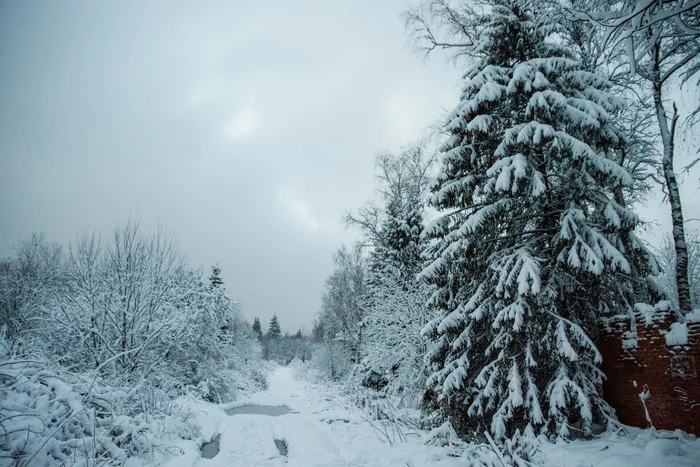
[{"x": 246, "y": 128}]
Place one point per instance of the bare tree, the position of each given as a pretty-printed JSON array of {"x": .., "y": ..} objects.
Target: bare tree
[
  {"x": 121, "y": 297},
  {"x": 441, "y": 25},
  {"x": 662, "y": 40},
  {"x": 342, "y": 302},
  {"x": 26, "y": 280},
  {"x": 666, "y": 255},
  {"x": 401, "y": 179}
]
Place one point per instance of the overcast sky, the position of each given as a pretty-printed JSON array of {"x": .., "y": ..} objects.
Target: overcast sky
[{"x": 246, "y": 128}]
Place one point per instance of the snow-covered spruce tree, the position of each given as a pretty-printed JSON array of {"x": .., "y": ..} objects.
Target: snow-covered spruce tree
[
  {"x": 273, "y": 330},
  {"x": 400, "y": 245},
  {"x": 215, "y": 279},
  {"x": 531, "y": 248},
  {"x": 639, "y": 154}
]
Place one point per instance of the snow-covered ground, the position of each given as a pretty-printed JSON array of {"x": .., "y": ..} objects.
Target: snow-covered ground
[{"x": 325, "y": 430}]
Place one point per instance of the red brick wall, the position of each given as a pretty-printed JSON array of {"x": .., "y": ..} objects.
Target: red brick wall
[{"x": 669, "y": 373}]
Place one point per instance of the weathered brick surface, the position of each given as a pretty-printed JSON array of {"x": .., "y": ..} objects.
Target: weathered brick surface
[{"x": 669, "y": 374}]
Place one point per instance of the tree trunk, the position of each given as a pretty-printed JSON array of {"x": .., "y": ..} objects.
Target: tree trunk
[{"x": 667, "y": 137}]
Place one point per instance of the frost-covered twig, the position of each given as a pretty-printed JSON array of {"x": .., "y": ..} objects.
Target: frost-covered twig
[{"x": 495, "y": 448}]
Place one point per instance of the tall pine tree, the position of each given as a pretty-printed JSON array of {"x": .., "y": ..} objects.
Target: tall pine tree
[
  {"x": 273, "y": 330},
  {"x": 532, "y": 246}
]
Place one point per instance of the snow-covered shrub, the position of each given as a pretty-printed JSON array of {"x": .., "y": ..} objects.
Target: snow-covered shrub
[
  {"x": 132, "y": 309},
  {"x": 228, "y": 384},
  {"x": 27, "y": 280},
  {"x": 331, "y": 360},
  {"x": 217, "y": 355},
  {"x": 516, "y": 451},
  {"x": 300, "y": 370},
  {"x": 50, "y": 417},
  {"x": 393, "y": 348},
  {"x": 283, "y": 349},
  {"x": 123, "y": 327}
]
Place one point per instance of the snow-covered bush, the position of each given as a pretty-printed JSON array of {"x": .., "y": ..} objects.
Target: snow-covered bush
[
  {"x": 27, "y": 280},
  {"x": 51, "y": 417},
  {"x": 281, "y": 347},
  {"x": 515, "y": 451},
  {"x": 393, "y": 347},
  {"x": 331, "y": 360},
  {"x": 122, "y": 326},
  {"x": 131, "y": 308},
  {"x": 216, "y": 354},
  {"x": 299, "y": 369}
]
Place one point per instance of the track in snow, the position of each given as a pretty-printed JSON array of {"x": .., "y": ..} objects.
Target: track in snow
[{"x": 249, "y": 439}]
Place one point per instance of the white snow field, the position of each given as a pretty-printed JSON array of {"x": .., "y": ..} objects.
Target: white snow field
[{"x": 324, "y": 430}]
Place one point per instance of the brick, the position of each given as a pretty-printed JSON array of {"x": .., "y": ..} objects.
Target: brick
[{"x": 674, "y": 396}]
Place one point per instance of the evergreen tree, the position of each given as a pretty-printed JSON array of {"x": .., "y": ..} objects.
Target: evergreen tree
[
  {"x": 257, "y": 329},
  {"x": 215, "y": 278},
  {"x": 273, "y": 330},
  {"x": 400, "y": 245},
  {"x": 532, "y": 247}
]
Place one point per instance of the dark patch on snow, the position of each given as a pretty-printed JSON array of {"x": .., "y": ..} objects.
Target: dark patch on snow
[
  {"x": 211, "y": 449},
  {"x": 281, "y": 446},
  {"x": 269, "y": 410},
  {"x": 334, "y": 420}
]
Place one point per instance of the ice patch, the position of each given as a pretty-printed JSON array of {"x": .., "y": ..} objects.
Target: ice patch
[
  {"x": 269, "y": 410},
  {"x": 211, "y": 449},
  {"x": 281, "y": 446}
]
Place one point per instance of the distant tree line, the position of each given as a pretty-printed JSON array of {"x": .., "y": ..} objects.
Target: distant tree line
[{"x": 279, "y": 347}]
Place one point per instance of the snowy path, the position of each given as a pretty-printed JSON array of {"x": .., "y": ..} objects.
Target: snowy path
[
  {"x": 323, "y": 431},
  {"x": 319, "y": 433},
  {"x": 249, "y": 439}
]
